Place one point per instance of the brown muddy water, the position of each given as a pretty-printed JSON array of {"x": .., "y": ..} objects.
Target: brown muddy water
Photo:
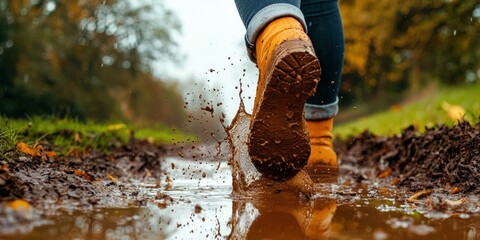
[
  {"x": 196, "y": 199},
  {"x": 204, "y": 208}
]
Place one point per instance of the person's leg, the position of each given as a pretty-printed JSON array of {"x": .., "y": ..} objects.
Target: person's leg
[
  {"x": 326, "y": 32},
  {"x": 256, "y": 15},
  {"x": 289, "y": 71},
  {"x": 325, "y": 29}
]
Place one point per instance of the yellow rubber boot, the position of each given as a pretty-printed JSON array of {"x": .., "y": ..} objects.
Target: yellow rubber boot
[
  {"x": 319, "y": 224},
  {"x": 323, "y": 159},
  {"x": 289, "y": 72}
]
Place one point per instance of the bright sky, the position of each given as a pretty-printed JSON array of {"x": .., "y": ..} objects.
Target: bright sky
[{"x": 212, "y": 38}]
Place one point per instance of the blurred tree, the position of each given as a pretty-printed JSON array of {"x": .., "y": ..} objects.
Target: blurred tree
[
  {"x": 397, "y": 45},
  {"x": 85, "y": 57}
]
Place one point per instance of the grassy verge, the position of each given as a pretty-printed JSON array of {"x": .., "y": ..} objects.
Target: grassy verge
[
  {"x": 66, "y": 134},
  {"x": 426, "y": 112}
]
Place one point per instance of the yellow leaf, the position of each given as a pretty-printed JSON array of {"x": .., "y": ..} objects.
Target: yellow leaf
[
  {"x": 118, "y": 126},
  {"x": 454, "y": 112},
  {"x": 19, "y": 205},
  {"x": 112, "y": 178}
]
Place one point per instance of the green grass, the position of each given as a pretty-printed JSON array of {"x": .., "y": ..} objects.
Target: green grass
[
  {"x": 67, "y": 134},
  {"x": 426, "y": 112},
  {"x": 8, "y": 139}
]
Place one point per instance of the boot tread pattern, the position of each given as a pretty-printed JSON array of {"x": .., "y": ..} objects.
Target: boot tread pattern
[{"x": 278, "y": 143}]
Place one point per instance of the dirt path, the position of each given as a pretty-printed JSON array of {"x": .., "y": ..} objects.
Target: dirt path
[
  {"x": 436, "y": 166},
  {"x": 443, "y": 159}
]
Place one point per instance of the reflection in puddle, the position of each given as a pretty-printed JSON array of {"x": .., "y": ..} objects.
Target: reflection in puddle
[{"x": 276, "y": 217}]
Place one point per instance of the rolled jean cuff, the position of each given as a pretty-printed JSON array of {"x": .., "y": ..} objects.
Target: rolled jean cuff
[
  {"x": 267, "y": 14},
  {"x": 319, "y": 112}
]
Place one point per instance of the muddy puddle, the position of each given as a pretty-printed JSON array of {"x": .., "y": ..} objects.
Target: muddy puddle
[
  {"x": 201, "y": 206},
  {"x": 209, "y": 198}
]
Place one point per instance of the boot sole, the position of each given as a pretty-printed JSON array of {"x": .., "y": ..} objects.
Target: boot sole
[{"x": 278, "y": 143}]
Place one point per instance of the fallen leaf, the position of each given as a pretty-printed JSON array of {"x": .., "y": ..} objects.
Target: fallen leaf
[
  {"x": 81, "y": 173},
  {"x": 455, "y": 190},
  {"x": 118, "y": 126},
  {"x": 112, "y": 178},
  {"x": 24, "y": 148},
  {"x": 19, "y": 205},
  {"x": 51, "y": 154},
  {"x": 395, "y": 181},
  {"x": 385, "y": 173},
  {"x": 454, "y": 112},
  {"x": 85, "y": 175},
  {"x": 77, "y": 138},
  {"x": 456, "y": 202},
  {"x": 35, "y": 151},
  {"x": 418, "y": 195}
]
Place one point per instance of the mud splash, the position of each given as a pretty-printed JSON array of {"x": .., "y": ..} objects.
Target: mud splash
[
  {"x": 243, "y": 170},
  {"x": 247, "y": 180}
]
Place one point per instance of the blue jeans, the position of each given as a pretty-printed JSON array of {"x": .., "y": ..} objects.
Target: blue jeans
[{"x": 322, "y": 20}]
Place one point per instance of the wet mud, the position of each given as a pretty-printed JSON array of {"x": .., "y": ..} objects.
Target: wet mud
[
  {"x": 410, "y": 186},
  {"x": 442, "y": 159},
  {"x": 86, "y": 178}
]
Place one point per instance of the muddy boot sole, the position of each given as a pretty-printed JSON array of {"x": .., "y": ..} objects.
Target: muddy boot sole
[{"x": 278, "y": 143}]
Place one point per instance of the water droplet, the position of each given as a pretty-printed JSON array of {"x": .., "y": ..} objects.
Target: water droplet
[{"x": 455, "y": 32}]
